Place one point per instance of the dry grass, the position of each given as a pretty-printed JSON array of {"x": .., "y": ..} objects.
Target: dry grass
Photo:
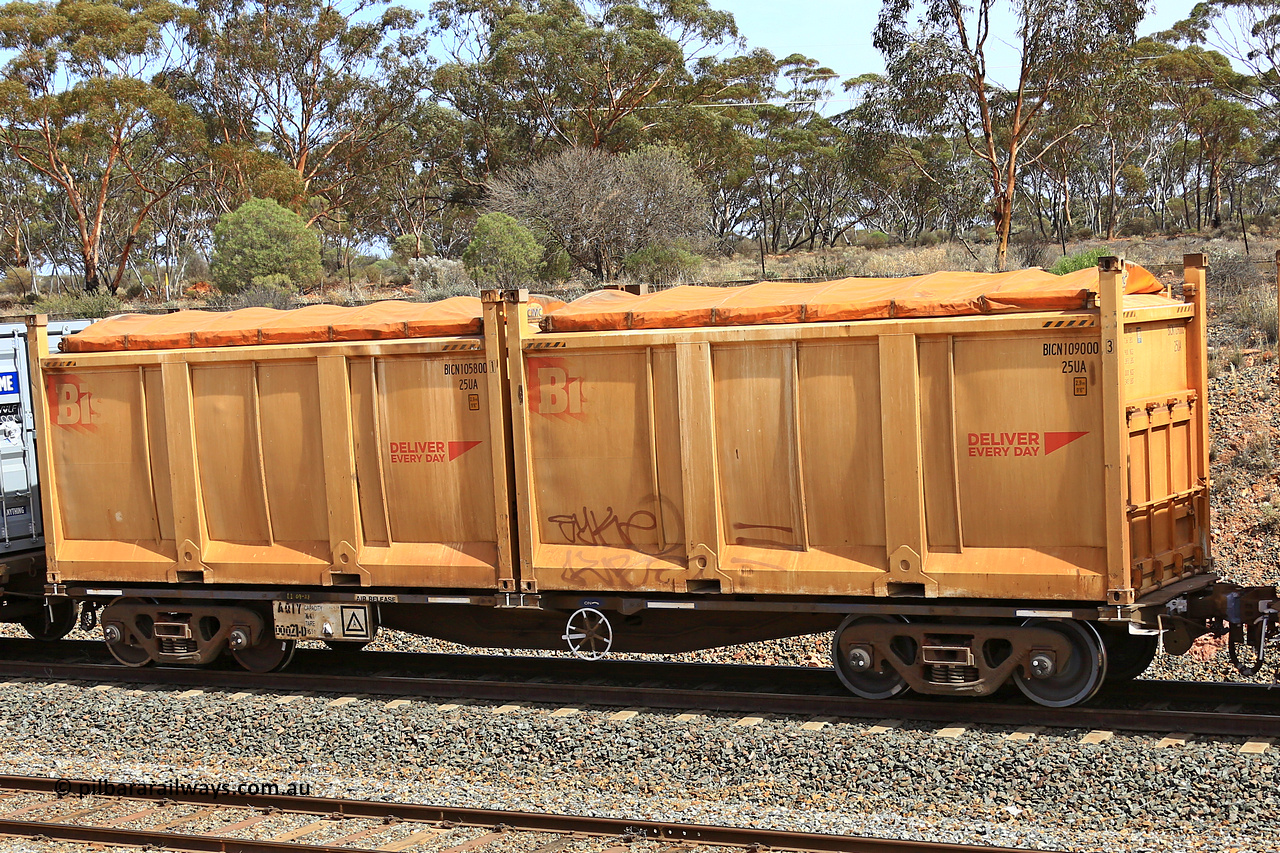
[
  {"x": 841, "y": 262},
  {"x": 854, "y": 261},
  {"x": 1242, "y": 289}
]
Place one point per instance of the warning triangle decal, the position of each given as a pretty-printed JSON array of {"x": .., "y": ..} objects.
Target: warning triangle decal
[
  {"x": 457, "y": 448},
  {"x": 1055, "y": 440}
]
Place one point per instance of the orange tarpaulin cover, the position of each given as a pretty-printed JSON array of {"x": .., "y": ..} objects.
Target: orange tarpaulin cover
[
  {"x": 459, "y": 315},
  {"x": 941, "y": 294}
]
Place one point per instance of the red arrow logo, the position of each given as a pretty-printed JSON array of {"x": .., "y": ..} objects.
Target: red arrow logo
[
  {"x": 1055, "y": 440},
  {"x": 457, "y": 448}
]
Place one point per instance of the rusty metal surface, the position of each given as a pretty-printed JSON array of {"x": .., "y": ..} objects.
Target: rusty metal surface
[{"x": 632, "y": 830}]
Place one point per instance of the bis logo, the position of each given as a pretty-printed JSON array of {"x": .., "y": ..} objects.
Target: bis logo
[
  {"x": 554, "y": 391},
  {"x": 71, "y": 405}
]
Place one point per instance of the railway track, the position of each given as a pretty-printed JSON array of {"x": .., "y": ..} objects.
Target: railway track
[
  {"x": 1143, "y": 706},
  {"x": 70, "y": 811}
]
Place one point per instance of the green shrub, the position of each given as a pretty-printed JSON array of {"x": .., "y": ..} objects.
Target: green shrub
[
  {"x": 1137, "y": 227},
  {"x": 274, "y": 281},
  {"x": 502, "y": 252},
  {"x": 873, "y": 240},
  {"x": 1079, "y": 261},
  {"x": 262, "y": 243},
  {"x": 99, "y": 303},
  {"x": 386, "y": 270},
  {"x": 662, "y": 264}
]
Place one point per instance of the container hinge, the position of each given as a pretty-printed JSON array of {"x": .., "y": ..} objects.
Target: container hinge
[{"x": 518, "y": 601}]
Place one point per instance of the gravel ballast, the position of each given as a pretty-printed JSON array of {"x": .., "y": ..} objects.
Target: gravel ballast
[{"x": 1050, "y": 791}]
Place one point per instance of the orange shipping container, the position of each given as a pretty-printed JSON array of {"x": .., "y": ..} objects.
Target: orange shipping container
[
  {"x": 957, "y": 435},
  {"x": 324, "y": 446}
]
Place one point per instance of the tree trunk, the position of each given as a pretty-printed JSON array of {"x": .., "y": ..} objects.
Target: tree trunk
[
  {"x": 1112, "y": 181},
  {"x": 92, "y": 278},
  {"x": 1215, "y": 191},
  {"x": 1004, "y": 223}
]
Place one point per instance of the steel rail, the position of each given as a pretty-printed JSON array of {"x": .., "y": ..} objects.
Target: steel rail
[
  {"x": 493, "y": 667},
  {"x": 634, "y": 830},
  {"x": 481, "y": 666},
  {"x": 694, "y": 698}
]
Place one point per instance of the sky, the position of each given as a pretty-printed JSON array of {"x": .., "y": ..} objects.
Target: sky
[{"x": 837, "y": 33}]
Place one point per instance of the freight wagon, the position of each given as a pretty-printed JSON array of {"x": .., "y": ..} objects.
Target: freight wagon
[{"x": 966, "y": 478}]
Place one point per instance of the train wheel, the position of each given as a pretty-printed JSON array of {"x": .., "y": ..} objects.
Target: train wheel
[
  {"x": 271, "y": 655},
  {"x": 1128, "y": 655},
  {"x": 1073, "y": 680},
  {"x": 853, "y": 662},
  {"x": 117, "y": 641},
  {"x": 129, "y": 655},
  {"x": 54, "y": 620}
]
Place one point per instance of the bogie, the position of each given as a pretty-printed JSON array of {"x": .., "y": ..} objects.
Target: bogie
[
  {"x": 138, "y": 632},
  {"x": 1053, "y": 661}
]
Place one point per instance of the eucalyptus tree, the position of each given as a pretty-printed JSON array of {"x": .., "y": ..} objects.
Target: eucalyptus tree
[
  {"x": 316, "y": 85},
  {"x": 796, "y": 167},
  {"x": 906, "y": 183},
  {"x": 530, "y": 77},
  {"x": 1121, "y": 112},
  {"x": 1207, "y": 95},
  {"x": 23, "y": 196},
  {"x": 1083, "y": 147},
  {"x": 418, "y": 195},
  {"x": 83, "y": 105},
  {"x": 1248, "y": 33},
  {"x": 939, "y": 78},
  {"x": 601, "y": 207},
  {"x": 719, "y": 140}
]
